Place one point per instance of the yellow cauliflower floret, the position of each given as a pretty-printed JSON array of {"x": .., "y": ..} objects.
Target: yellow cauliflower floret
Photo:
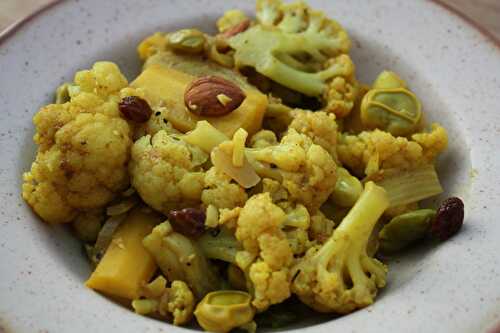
[
  {"x": 166, "y": 171},
  {"x": 103, "y": 80},
  {"x": 221, "y": 192},
  {"x": 320, "y": 126},
  {"x": 270, "y": 287},
  {"x": 343, "y": 90},
  {"x": 304, "y": 169},
  {"x": 433, "y": 143},
  {"x": 313, "y": 183},
  {"x": 266, "y": 250},
  {"x": 371, "y": 151},
  {"x": 83, "y": 148},
  {"x": 179, "y": 301},
  {"x": 176, "y": 301},
  {"x": 258, "y": 216}
]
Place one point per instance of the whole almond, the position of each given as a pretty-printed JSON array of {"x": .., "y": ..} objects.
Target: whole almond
[{"x": 213, "y": 96}]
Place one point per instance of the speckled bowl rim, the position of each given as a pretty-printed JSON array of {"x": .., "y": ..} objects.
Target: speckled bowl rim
[{"x": 11, "y": 29}]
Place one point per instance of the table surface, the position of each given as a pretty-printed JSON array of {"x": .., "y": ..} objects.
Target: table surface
[{"x": 485, "y": 13}]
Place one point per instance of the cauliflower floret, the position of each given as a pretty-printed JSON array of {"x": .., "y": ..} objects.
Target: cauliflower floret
[
  {"x": 433, "y": 143},
  {"x": 371, "y": 151},
  {"x": 263, "y": 138},
  {"x": 320, "y": 126},
  {"x": 302, "y": 50},
  {"x": 339, "y": 276},
  {"x": 166, "y": 171},
  {"x": 83, "y": 148},
  {"x": 314, "y": 183},
  {"x": 221, "y": 192},
  {"x": 179, "y": 301},
  {"x": 270, "y": 286},
  {"x": 259, "y": 231},
  {"x": 103, "y": 80},
  {"x": 342, "y": 91},
  {"x": 305, "y": 170}
]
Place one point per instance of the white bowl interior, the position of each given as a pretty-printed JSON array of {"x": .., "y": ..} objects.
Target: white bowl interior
[{"x": 43, "y": 268}]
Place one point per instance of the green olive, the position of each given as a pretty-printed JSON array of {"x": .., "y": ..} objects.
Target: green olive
[
  {"x": 390, "y": 106},
  {"x": 221, "y": 311},
  {"x": 187, "y": 40},
  {"x": 347, "y": 189},
  {"x": 405, "y": 229}
]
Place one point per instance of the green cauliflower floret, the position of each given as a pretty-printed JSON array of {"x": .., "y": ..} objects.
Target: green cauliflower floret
[
  {"x": 339, "y": 276},
  {"x": 293, "y": 45},
  {"x": 305, "y": 170},
  {"x": 179, "y": 258},
  {"x": 167, "y": 172},
  {"x": 84, "y": 147}
]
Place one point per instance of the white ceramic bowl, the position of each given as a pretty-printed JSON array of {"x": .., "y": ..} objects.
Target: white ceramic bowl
[{"x": 454, "y": 287}]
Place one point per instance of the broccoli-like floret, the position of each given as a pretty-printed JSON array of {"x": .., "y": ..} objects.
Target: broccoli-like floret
[
  {"x": 84, "y": 148},
  {"x": 292, "y": 45},
  {"x": 167, "y": 172},
  {"x": 340, "y": 276},
  {"x": 304, "y": 169},
  {"x": 179, "y": 258},
  {"x": 372, "y": 151}
]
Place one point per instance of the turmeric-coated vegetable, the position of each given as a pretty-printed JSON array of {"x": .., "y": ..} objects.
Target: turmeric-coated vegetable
[
  {"x": 221, "y": 311},
  {"x": 166, "y": 86},
  {"x": 126, "y": 265}
]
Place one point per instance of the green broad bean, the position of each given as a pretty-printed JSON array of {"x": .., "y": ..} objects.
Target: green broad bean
[
  {"x": 405, "y": 229},
  {"x": 187, "y": 40},
  {"x": 224, "y": 310}
]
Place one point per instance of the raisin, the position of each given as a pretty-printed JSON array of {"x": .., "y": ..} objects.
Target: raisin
[
  {"x": 188, "y": 221},
  {"x": 135, "y": 108},
  {"x": 449, "y": 219}
]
